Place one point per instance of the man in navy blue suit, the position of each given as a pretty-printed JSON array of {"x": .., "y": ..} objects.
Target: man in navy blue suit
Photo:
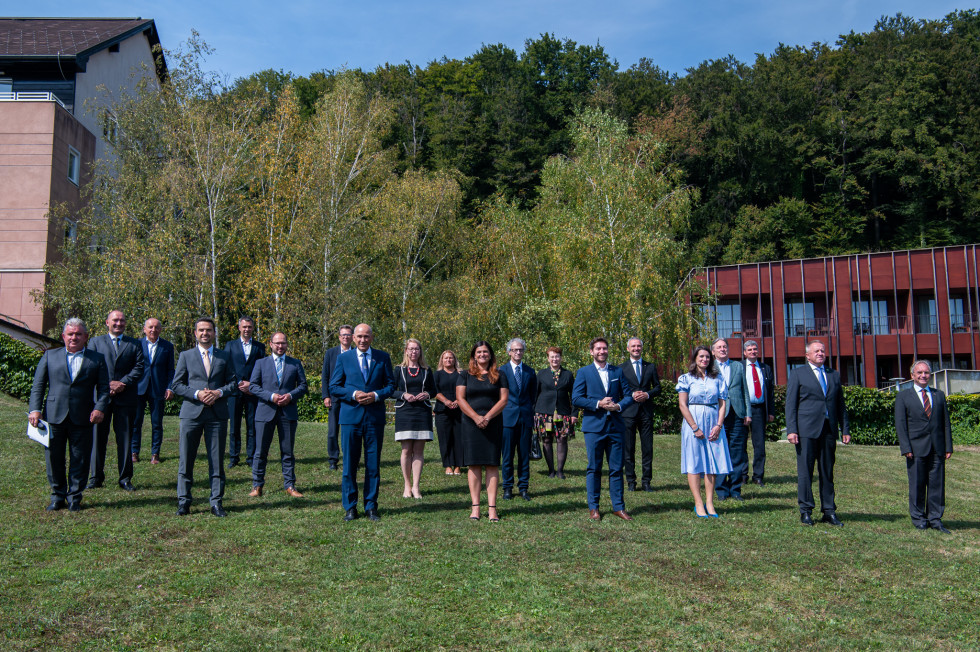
[
  {"x": 601, "y": 392},
  {"x": 154, "y": 387},
  {"x": 518, "y": 419},
  {"x": 362, "y": 379},
  {"x": 346, "y": 336},
  {"x": 278, "y": 381},
  {"x": 244, "y": 352}
]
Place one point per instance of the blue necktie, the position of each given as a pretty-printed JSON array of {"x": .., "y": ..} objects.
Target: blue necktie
[
  {"x": 279, "y": 369},
  {"x": 823, "y": 380},
  {"x": 364, "y": 366},
  {"x": 517, "y": 380},
  {"x": 639, "y": 373}
]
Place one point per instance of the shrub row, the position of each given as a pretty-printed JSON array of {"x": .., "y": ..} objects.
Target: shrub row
[{"x": 17, "y": 364}]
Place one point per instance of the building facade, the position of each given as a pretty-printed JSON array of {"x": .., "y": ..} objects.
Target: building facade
[
  {"x": 53, "y": 74},
  {"x": 875, "y": 312}
]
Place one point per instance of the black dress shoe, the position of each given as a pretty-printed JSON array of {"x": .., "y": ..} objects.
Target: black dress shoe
[
  {"x": 806, "y": 519},
  {"x": 127, "y": 485},
  {"x": 525, "y": 495},
  {"x": 738, "y": 497},
  {"x": 93, "y": 484},
  {"x": 561, "y": 475},
  {"x": 183, "y": 509},
  {"x": 630, "y": 486},
  {"x": 372, "y": 515},
  {"x": 218, "y": 510},
  {"x": 759, "y": 482},
  {"x": 350, "y": 514},
  {"x": 940, "y": 527},
  {"x": 921, "y": 526},
  {"x": 333, "y": 465},
  {"x": 232, "y": 464},
  {"x": 831, "y": 518},
  {"x": 56, "y": 505},
  {"x": 647, "y": 487},
  {"x": 75, "y": 506},
  {"x": 508, "y": 494}
]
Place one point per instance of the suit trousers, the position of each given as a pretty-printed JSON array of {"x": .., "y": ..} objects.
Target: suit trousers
[
  {"x": 758, "y": 428},
  {"x": 927, "y": 488},
  {"x": 516, "y": 439},
  {"x": 610, "y": 444},
  {"x": 287, "y": 437},
  {"x": 735, "y": 431},
  {"x": 449, "y": 426},
  {"x": 353, "y": 438},
  {"x": 239, "y": 406},
  {"x": 191, "y": 431},
  {"x": 78, "y": 439},
  {"x": 156, "y": 423},
  {"x": 642, "y": 422},
  {"x": 333, "y": 432},
  {"x": 121, "y": 418},
  {"x": 821, "y": 450}
]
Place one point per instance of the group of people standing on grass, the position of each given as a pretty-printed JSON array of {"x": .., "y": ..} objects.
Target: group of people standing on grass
[{"x": 485, "y": 415}]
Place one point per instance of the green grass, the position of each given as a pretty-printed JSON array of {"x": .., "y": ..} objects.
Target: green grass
[{"x": 282, "y": 573}]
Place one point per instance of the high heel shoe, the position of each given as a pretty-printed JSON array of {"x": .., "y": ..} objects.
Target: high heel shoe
[
  {"x": 710, "y": 515},
  {"x": 491, "y": 518},
  {"x": 699, "y": 515},
  {"x": 477, "y": 517}
]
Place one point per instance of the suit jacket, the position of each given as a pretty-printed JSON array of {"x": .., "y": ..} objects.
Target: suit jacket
[
  {"x": 554, "y": 398},
  {"x": 520, "y": 405},
  {"x": 347, "y": 379},
  {"x": 241, "y": 365},
  {"x": 265, "y": 383},
  {"x": 917, "y": 433},
  {"x": 767, "y": 388},
  {"x": 738, "y": 393},
  {"x": 807, "y": 407},
  {"x": 588, "y": 391},
  {"x": 329, "y": 362},
  {"x": 190, "y": 376},
  {"x": 126, "y": 365},
  {"x": 68, "y": 398},
  {"x": 648, "y": 382},
  {"x": 158, "y": 372}
]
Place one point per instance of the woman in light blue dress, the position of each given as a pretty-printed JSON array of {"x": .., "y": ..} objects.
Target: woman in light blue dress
[{"x": 701, "y": 394}]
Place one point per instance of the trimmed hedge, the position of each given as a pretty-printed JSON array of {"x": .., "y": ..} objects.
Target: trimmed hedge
[{"x": 17, "y": 364}]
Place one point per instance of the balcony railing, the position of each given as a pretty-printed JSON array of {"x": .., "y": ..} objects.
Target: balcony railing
[
  {"x": 32, "y": 96},
  {"x": 891, "y": 325},
  {"x": 746, "y": 328},
  {"x": 926, "y": 324},
  {"x": 809, "y": 327}
]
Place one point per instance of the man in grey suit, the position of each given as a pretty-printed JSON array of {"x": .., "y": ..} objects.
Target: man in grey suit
[
  {"x": 205, "y": 379},
  {"x": 814, "y": 413},
  {"x": 346, "y": 336},
  {"x": 736, "y": 409},
  {"x": 77, "y": 385},
  {"x": 124, "y": 358},
  {"x": 278, "y": 381},
  {"x": 926, "y": 440}
]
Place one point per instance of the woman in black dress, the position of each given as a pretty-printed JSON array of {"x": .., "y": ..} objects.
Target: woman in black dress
[
  {"x": 414, "y": 387},
  {"x": 553, "y": 414},
  {"x": 481, "y": 392},
  {"x": 448, "y": 413}
]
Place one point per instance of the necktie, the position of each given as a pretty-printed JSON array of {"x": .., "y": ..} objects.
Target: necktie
[
  {"x": 115, "y": 344},
  {"x": 823, "y": 380},
  {"x": 364, "y": 366},
  {"x": 756, "y": 384},
  {"x": 206, "y": 359},
  {"x": 153, "y": 350},
  {"x": 517, "y": 380},
  {"x": 638, "y": 366},
  {"x": 279, "y": 369},
  {"x": 926, "y": 403},
  {"x": 71, "y": 370}
]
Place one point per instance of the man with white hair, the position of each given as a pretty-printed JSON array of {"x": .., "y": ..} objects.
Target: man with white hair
[{"x": 518, "y": 420}]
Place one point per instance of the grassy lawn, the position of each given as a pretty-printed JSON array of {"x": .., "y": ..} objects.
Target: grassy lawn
[{"x": 282, "y": 573}]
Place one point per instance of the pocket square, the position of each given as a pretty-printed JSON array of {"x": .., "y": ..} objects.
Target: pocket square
[{"x": 614, "y": 380}]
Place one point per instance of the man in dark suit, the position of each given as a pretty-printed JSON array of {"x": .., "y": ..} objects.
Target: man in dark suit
[
  {"x": 154, "y": 387},
  {"x": 736, "y": 409},
  {"x": 600, "y": 392},
  {"x": 762, "y": 406},
  {"x": 243, "y": 352},
  {"x": 926, "y": 440},
  {"x": 346, "y": 336},
  {"x": 643, "y": 383},
  {"x": 278, "y": 381},
  {"x": 124, "y": 358},
  {"x": 518, "y": 420},
  {"x": 814, "y": 413},
  {"x": 77, "y": 385},
  {"x": 362, "y": 379},
  {"x": 205, "y": 378}
]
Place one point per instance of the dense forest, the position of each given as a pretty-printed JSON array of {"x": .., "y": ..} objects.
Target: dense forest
[{"x": 545, "y": 193}]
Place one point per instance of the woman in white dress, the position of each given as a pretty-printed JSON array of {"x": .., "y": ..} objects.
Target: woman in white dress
[{"x": 701, "y": 394}]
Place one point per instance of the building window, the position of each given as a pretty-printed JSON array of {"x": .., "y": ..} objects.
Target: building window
[
  {"x": 925, "y": 315},
  {"x": 74, "y": 164},
  {"x": 71, "y": 230},
  {"x": 727, "y": 318},
  {"x": 957, "y": 314},
  {"x": 871, "y": 317},
  {"x": 799, "y": 318},
  {"x": 109, "y": 127},
  {"x": 6, "y": 87}
]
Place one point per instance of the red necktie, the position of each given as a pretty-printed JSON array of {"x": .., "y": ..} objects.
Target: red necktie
[
  {"x": 755, "y": 381},
  {"x": 926, "y": 404}
]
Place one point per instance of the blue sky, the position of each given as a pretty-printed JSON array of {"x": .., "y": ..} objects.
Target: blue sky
[{"x": 304, "y": 36}]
